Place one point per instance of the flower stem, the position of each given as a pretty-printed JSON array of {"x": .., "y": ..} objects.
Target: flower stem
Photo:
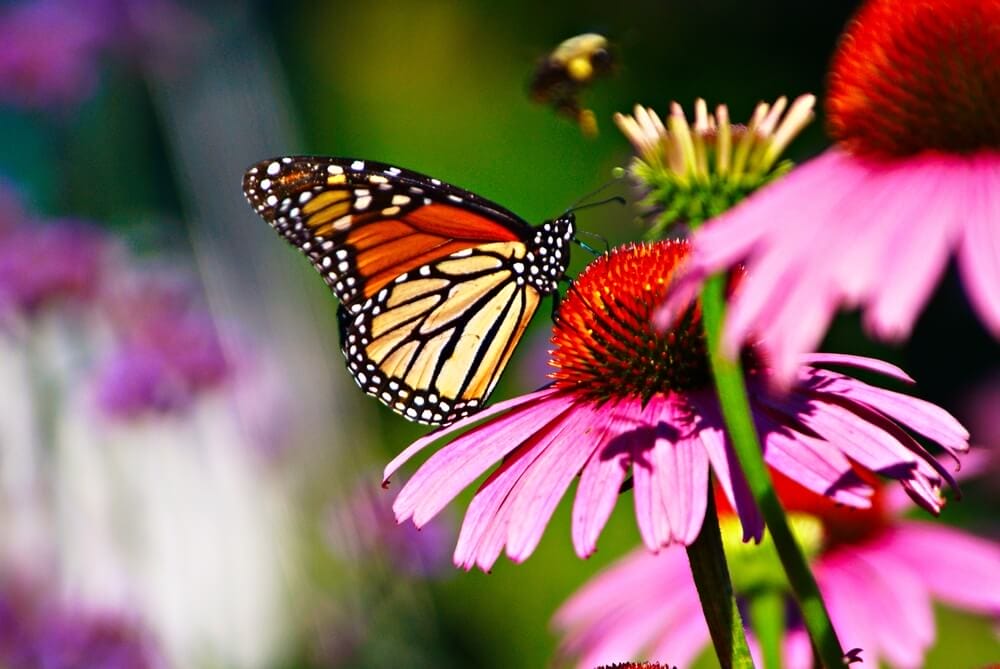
[
  {"x": 735, "y": 404},
  {"x": 767, "y": 618},
  {"x": 711, "y": 577}
]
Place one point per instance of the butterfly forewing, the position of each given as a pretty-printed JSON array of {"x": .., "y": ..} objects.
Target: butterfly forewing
[
  {"x": 362, "y": 223},
  {"x": 436, "y": 283}
]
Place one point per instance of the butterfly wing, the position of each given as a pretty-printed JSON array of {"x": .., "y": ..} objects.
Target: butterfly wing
[
  {"x": 431, "y": 345},
  {"x": 436, "y": 284},
  {"x": 363, "y": 223}
]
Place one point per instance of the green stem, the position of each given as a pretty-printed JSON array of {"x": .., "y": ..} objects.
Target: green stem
[
  {"x": 711, "y": 577},
  {"x": 735, "y": 404},
  {"x": 767, "y": 618}
]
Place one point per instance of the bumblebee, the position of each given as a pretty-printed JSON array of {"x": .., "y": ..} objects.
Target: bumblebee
[{"x": 560, "y": 78}]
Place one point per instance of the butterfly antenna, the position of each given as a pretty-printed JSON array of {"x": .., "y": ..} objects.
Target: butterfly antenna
[
  {"x": 587, "y": 247},
  {"x": 576, "y": 205}
]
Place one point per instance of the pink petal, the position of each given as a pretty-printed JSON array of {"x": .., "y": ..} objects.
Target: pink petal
[
  {"x": 643, "y": 601},
  {"x": 979, "y": 249},
  {"x": 857, "y": 361},
  {"x": 918, "y": 256},
  {"x": 484, "y": 528},
  {"x": 600, "y": 483},
  {"x": 797, "y": 651},
  {"x": 430, "y": 438},
  {"x": 810, "y": 249},
  {"x": 897, "y": 607},
  {"x": 682, "y": 473},
  {"x": 649, "y": 512},
  {"x": 919, "y": 415},
  {"x": 538, "y": 492},
  {"x": 733, "y": 482},
  {"x": 812, "y": 463},
  {"x": 861, "y": 441},
  {"x": 819, "y": 183},
  {"x": 459, "y": 463},
  {"x": 686, "y": 635},
  {"x": 845, "y": 599},
  {"x": 957, "y": 567}
]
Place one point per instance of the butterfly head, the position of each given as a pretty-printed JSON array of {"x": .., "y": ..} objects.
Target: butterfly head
[{"x": 548, "y": 253}]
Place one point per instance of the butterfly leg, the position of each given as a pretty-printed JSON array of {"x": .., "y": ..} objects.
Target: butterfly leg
[{"x": 556, "y": 301}]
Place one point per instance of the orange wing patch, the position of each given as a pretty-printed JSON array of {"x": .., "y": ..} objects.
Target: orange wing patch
[{"x": 386, "y": 248}]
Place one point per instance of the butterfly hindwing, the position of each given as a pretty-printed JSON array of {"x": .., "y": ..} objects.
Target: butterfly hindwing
[
  {"x": 431, "y": 345},
  {"x": 436, "y": 284}
]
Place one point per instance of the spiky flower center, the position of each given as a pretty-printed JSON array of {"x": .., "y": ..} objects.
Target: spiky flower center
[
  {"x": 605, "y": 343},
  {"x": 916, "y": 76}
]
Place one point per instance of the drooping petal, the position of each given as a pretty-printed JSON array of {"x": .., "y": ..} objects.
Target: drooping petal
[
  {"x": 919, "y": 415},
  {"x": 649, "y": 513},
  {"x": 601, "y": 481},
  {"x": 857, "y": 361},
  {"x": 895, "y": 603},
  {"x": 918, "y": 257},
  {"x": 859, "y": 439},
  {"x": 955, "y": 566},
  {"x": 458, "y": 464},
  {"x": 682, "y": 473},
  {"x": 845, "y": 597},
  {"x": 428, "y": 439},
  {"x": 727, "y": 469},
  {"x": 538, "y": 492},
  {"x": 979, "y": 249},
  {"x": 811, "y": 462},
  {"x": 644, "y": 606}
]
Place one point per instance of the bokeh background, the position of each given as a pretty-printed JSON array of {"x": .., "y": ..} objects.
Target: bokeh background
[{"x": 188, "y": 475}]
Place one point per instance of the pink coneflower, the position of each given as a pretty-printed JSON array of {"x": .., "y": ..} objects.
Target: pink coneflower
[
  {"x": 867, "y": 563},
  {"x": 629, "y": 400},
  {"x": 913, "y": 177}
]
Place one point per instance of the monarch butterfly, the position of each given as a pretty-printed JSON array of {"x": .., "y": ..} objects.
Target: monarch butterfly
[{"x": 436, "y": 284}]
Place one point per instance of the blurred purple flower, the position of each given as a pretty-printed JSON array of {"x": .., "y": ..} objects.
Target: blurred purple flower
[
  {"x": 868, "y": 563},
  {"x": 36, "y": 632},
  {"x": 49, "y": 52},
  {"x": 363, "y": 527},
  {"x": 11, "y": 208},
  {"x": 136, "y": 380},
  {"x": 158, "y": 34},
  {"x": 43, "y": 263},
  {"x": 169, "y": 349}
]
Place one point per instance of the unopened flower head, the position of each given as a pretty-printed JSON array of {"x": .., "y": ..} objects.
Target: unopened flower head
[
  {"x": 692, "y": 173},
  {"x": 630, "y": 400}
]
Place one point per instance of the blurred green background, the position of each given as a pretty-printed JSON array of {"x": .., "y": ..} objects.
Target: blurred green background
[{"x": 440, "y": 87}]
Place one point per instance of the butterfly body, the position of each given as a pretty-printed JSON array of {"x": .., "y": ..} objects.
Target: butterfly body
[{"x": 436, "y": 284}]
